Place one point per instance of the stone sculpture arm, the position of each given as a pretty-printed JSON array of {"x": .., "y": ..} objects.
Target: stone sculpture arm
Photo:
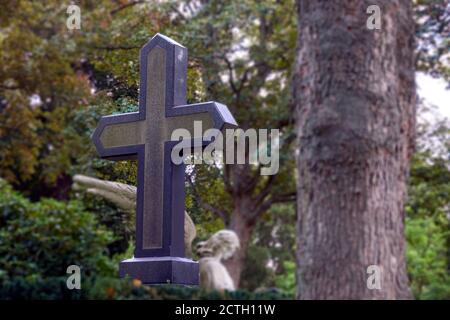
[
  {"x": 124, "y": 197},
  {"x": 121, "y": 194}
]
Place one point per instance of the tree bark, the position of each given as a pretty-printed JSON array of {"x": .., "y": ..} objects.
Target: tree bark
[
  {"x": 354, "y": 92},
  {"x": 244, "y": 230}
]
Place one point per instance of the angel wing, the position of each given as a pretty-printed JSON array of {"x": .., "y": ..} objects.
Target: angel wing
[{"x": 124, "y": 197}]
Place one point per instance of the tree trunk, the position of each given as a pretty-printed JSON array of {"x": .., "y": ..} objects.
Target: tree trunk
[
  {"x": 354, "y": 91},
  {"x": 243, "y": 227}
]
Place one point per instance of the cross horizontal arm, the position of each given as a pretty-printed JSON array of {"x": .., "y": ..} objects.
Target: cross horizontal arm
[
  {"x": 123, "y": 134},
  {"x": 211, "y": 114},
  {"x": 117, "y": 136}
]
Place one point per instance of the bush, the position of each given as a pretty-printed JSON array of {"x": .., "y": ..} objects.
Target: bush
[
  {"x": 427, "y": 260},
  {"x": 53, "y": 288},
  {"x": 287, "y": 281},
  {"x": 119, "y": 289},
  {"x": 40, "y": 240}
]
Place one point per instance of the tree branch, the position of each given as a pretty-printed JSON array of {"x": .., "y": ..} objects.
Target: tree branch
[
  {"x": 264, "y": 206},
  {"x": 230, "y": 78},
  {"x": 221, "y": 214},
  {"x": 111, "y": 48},
  {"x": 124, "y": 6},
  {"x": 9, "y": 87},
  {"x": 266, "y": 189},
  {"x": 289, "y": 197},
  {"x": 250, "y": 185},
  {"x": 226, "y": 177}
]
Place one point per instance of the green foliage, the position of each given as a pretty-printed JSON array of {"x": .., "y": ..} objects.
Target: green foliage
[
  {"x": 120, "y": 223},
  {"x": 50, "y": 288},
  {"x": 427, "y": 223},
  {"x": 427, "y": 258},
  {"x": 39, "y": 240},
  {"x": 38, "y": 63},
  {"x": 287, "y": 281},
  {"x": 256, "y": 273},
  {"x": 126, "y": 289},
  {"x": 432, "y": 31},
  {"x": 120, "y": 289},
  {"x": 268, "y": 261}
]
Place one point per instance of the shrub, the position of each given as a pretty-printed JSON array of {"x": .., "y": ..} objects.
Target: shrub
[
  {"x": 119, "y": 289},
  {"x": 40, "y": 240},
  {"x": 427, "y": 258},
  {"x": 53, "y": 288}
]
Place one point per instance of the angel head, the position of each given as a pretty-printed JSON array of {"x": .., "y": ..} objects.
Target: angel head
[{"x": 222, "y": 245}]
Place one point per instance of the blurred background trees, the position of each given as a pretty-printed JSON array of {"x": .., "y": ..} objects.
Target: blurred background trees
[
  {"x": 55, "y": 83},
  {"x": 427, "y": 221}
]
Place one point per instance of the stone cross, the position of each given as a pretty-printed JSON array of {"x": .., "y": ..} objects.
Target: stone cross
[{"x": 145, "y": 136}]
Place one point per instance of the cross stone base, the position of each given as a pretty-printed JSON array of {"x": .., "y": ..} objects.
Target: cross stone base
[{"x": 157, "y": 270}]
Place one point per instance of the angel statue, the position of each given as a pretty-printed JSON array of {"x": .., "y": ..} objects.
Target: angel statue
[
  {"x": 213, "y": 274},
  {"x": 220, "y": 246}
]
